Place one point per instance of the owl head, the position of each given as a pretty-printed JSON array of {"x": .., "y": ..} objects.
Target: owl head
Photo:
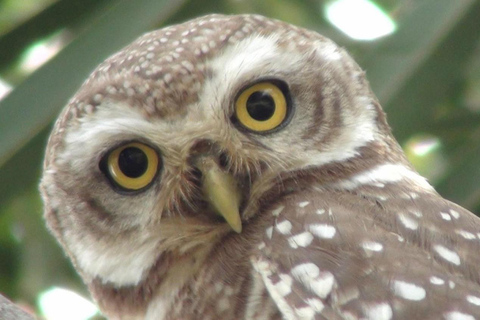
[{"x": 180, "y": 140}]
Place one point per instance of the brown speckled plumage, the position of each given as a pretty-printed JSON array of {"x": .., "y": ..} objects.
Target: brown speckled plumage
[{"x": 336, "y": 222}]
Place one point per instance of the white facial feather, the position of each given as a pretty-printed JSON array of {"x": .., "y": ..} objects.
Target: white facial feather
[
  {"x": 359, "y": 131},
  {"x": 123, "y": 263}
]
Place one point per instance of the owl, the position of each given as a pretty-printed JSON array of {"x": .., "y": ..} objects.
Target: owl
[{"x": 238, "y": 167}]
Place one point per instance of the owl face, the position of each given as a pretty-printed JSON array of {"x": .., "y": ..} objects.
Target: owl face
[{"x": 244, "y": 106}]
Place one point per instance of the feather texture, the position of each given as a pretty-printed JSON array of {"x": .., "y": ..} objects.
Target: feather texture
[{"x": 336, "y": 224}]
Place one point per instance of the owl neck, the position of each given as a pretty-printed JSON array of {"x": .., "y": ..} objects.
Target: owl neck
[{"x": 380, "y": 169}]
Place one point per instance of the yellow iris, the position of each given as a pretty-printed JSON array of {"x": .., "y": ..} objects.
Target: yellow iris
[
  {"x": 261, "y": 107},
  {"x": 133, "y": 166}
]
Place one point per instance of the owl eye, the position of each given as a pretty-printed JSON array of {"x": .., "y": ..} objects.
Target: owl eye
[
  {"x": 131, "y": 166},
  {"x": 262, "y": 107}
]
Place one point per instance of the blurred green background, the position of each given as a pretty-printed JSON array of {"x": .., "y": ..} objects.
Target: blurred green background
[{"x": 425, "y": 71}]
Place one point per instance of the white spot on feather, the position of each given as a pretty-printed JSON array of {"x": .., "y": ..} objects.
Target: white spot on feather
[
  {"x": 324, "y": 231},
  {"x": 303, "y": 204},
  {"x": 445, "y": 216},
  {"x": 467, "y": 235},
  {"x": 408, "y": 222},
  {"x": 372, "y": 246},
  {"x": 451, "y": 284},
  {"x": 436, "y": 281},
  {"x": 305, "y": 312},
  {"x": 320, "y": 283},
  {"x": 277, "y": 211},
  {"x": 473, "y": 300},
  {"x": 279, "y": 300},
  {"x": 284, "y": 227},
  {"x": 454, "y": 214},
  {"x": 269, "y": 232},
  {"x": 380, "y": 311},
  {"x": 447, "y": 254},
  {"x": 316, "y": 304},
  {"x": 456, "y": 315},
  {"x": 284, "y": 286},
  {"x": 263, "y": 267},
  {"x": 385, "y": 173},
  {"x": 408, "y": 291},
  {"x": 300, "y": 240}
]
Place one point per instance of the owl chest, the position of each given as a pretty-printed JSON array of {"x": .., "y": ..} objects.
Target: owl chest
[
  {"x": 216, "y": 292},
  {"x": 226, "y": 286}
]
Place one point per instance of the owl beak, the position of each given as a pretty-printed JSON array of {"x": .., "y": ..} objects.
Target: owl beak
[{"x": 221, "y": 191}]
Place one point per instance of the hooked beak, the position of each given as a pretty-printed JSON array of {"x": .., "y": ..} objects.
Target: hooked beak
[{"x": 221, "y": 191}]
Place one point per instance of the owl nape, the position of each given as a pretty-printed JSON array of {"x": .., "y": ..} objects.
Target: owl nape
[{"x": 238, "y": 167}]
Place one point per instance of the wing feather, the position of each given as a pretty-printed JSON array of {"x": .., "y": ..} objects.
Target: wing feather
[{"x": 337, "y": 255}]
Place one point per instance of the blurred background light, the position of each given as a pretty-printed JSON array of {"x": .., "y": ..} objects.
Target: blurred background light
[
  {"x": 425, "y": 152},
  {"x": 425, "y": 146},
  {"x": 62, "y": 304},
  {"x": 359, "y": 19},
  {"x": 40, "y": 52},
  {"x": 5, "y": 89}
]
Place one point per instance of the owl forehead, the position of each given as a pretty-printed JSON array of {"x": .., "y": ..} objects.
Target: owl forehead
[{"x": 172, "y": 64}]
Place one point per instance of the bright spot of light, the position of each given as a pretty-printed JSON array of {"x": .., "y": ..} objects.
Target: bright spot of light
[
  {"x": 423, "y": 147},
  {"x": 426, "y": 153},
  {"x": 61, "y": 304},
  {"x": 5, "y": 89},
  {"x": 359, "y": 19},
  {"x": 40, "y": 52}
]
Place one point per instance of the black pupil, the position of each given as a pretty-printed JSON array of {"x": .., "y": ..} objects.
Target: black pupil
[
  {"x": 260, "y": 105},
  {"x": 133, "y": 162}
]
